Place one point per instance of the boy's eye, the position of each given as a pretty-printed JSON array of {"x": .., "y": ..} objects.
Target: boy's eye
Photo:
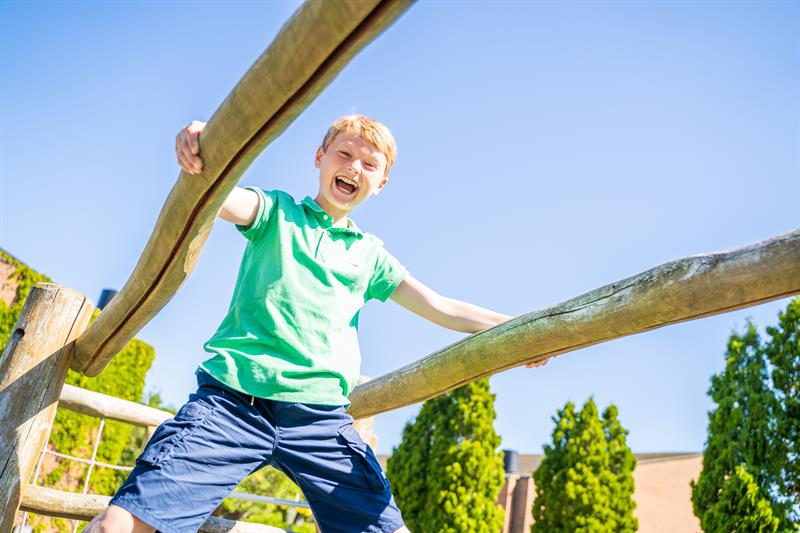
[
  {"x": 344, "y": 154},
  {"x": 369, "y": 166}
]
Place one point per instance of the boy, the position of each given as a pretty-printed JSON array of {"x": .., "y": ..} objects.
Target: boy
[{"x": 286, "y": 355}]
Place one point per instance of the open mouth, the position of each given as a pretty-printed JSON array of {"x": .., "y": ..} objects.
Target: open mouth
[{"x": 346, "y": 185}]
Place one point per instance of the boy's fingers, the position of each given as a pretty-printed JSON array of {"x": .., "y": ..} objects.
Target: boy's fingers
[
  {"x": 195, "y": 126},
  {"x": 182, "y": 155},
  {"x": 537, "y": 363},
  {"x": 187, "y": 160},
  {"x": 192, "y": 148},
  {"x": 187, "y": 147},
  {"x": 186, "y": 152},
  {"x": 193, "y": 160}
]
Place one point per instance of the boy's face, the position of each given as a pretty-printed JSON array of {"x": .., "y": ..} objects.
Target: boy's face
[{"x": 350, "y": 171}]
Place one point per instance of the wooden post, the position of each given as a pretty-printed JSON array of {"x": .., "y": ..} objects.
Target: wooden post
[
  {"x": 33, "y": 367},
  {"x": 366, "y": 426},
  {"x": 148, "y": 434}
]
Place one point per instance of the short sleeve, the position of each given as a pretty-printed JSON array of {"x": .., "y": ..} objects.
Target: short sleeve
[
  {"x": 266, "y": 203},
  {"x": 387, "y": 274}
]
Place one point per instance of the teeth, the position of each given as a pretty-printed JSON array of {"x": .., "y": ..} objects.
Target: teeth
[{"x": 348, "y": 180}]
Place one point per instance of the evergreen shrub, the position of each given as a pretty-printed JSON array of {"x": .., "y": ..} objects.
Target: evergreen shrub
[{"x": 447, "y": 472}]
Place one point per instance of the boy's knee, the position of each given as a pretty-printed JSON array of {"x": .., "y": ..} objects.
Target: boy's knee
[{"x": 115, "y": 519}]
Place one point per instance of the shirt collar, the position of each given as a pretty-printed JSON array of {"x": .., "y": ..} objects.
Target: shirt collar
[{"x": 326, "y": 220}]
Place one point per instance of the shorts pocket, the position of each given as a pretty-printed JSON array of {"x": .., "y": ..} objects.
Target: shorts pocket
[
  {"x": 172, "y": 433},
  {"x": 371, "y": 467}
]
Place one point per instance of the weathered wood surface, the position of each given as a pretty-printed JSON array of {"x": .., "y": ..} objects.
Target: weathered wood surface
[
  {"x": 311, "y": 48},
  {"x": 102, "y": 405},
  {"x": 33, "y": 367},
  {"x": 148, "y": 434},
  {"x": 366, "y": 426},
  {"x": 51, "y": 502},
  {"x": 686, "y": 289}
]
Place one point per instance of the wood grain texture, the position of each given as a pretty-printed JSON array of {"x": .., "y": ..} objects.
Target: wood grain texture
[
  {"x": 686, "y": 289},
  {"x": 51, "y": 502},
  {"x": 311, "y": 48},
  {"x": 102, "y": 405},
  {"x": 33, "y": 367}
]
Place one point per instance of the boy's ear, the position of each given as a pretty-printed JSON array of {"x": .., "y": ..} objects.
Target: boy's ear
[
  {"x": 382, "y": 184},
  {"x": 318, "y": 157}
]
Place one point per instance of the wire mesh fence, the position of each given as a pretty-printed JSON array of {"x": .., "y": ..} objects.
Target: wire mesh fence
[{"x": 92, "y": 463}]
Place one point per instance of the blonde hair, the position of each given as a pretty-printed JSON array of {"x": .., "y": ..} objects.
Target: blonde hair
[{"x": 368, "y": 129}]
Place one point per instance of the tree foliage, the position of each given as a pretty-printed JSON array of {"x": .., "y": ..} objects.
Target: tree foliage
[
  {"x": 783, "y": 352},
  {"x": 446, "y": 473},
  {"x": 585, "y": 480},
  {"x": 73, "y": 433},
  {"x": 754, "y": 426},
  {"x": 269, "y": 482},
  {"x": 622, "y": 463},
  {"x": 25, "y": 278},
  {"x": 741, "y": 506}
]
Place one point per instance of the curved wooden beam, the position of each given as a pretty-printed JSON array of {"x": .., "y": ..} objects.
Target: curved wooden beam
[
  {"x": 311, "y": 48},
  {"x": 686, "y": 289}
]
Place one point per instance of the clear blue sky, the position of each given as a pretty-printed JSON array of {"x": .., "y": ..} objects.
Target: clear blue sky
[{"x": 545, "y": 149}]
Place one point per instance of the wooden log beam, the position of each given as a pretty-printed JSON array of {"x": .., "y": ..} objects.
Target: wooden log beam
[
  {"x": 102, "y": 405},
  {"x": 33, "y": 367},
  {"x": 49, "y": 502},
  {"x": 686, "y": 289},
  {"x": 311, "y": 48}
]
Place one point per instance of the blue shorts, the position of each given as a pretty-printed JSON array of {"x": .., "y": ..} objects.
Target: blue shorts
[{"x": 219, "y": 437}]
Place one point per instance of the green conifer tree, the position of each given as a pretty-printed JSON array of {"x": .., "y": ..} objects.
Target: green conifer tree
[
  {"x": 622, "y": 463},
  {"x": 585, "y": 475},
  {"x": 408, "y": 466},
  {"x": 783, "y": 351},
  {"x": 550, "y": 478},
  {"x": 742, "y": 507},
  {"x": 742, "y": 431},
  {"x": 447, "y": 472}
]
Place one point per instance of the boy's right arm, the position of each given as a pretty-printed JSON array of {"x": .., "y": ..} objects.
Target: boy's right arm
[{"x": 241, "y": 205}]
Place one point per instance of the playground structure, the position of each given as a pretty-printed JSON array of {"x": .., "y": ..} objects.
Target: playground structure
[{"x": 53, "y": 334}]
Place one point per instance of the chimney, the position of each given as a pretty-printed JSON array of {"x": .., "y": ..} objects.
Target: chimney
[{"x": 105, "y": 297}]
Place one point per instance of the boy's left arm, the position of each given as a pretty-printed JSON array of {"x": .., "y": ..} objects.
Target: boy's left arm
[{"x": 447, "y": 312}]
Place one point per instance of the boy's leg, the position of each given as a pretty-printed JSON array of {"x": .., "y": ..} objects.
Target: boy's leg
[
  {"x": 196, "y": 459},
  {"x": 319, "y": 449},
  {"x": 117, "y": 520}
]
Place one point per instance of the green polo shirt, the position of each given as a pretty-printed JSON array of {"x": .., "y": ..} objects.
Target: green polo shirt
[{"x": 291, "y": 332}]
